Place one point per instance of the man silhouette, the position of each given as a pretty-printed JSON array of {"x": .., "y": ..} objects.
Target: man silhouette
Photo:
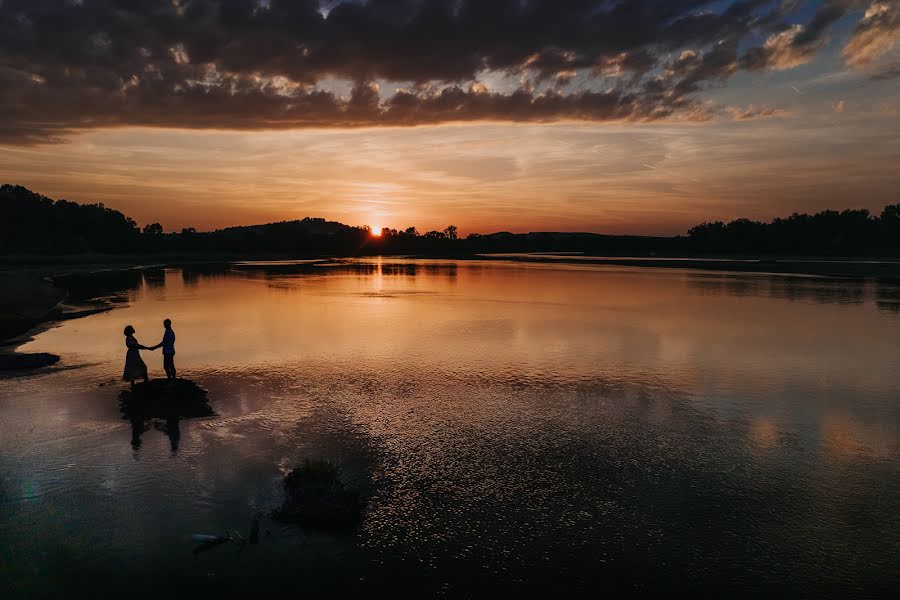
[{"x": 168, "y": 349}]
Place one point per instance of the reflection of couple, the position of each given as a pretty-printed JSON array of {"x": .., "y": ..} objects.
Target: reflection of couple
[
  {"x": 171, "y": 428},
  {"x": 135, "y": 368}
]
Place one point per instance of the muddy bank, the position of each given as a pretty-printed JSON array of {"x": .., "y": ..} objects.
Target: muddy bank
[
  {"x": 28, "y": 299},
  {"x": 33, "y": 298}
]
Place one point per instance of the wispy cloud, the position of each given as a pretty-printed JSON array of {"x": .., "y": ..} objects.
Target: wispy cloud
[
  {"x": 648, "y": 178},
  {"x": 754, "y": 112},
  {"x": 874, "y": 37}
]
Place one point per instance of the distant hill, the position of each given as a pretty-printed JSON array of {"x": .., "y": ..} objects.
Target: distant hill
[
  {"x": 32, "y": 223},
  {"x": 314, "y": 226},
  {"x": 309, "y": 236}
]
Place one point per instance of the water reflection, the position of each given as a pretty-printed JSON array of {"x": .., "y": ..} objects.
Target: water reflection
[
  {"x": 888, "y": 296},
  {"x": 109, "y": 285},
  {"x": 376, "y": 267},
  {"x": 192, "y": 275},
  {"x": 155, "y": 277},
  {"x": 516, "y": 427},
  {"x": 792, "y": 288},
  {"x": 170, "y": 426},
  {"x": 884, "y": 294},
  {"x": 162, "y": 404},
  {"x": 828, "y": 292}
]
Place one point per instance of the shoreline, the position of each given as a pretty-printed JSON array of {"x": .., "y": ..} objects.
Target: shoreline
[
  {"x": 33, "y": 301},
  {"x": 29, "y": 301}
]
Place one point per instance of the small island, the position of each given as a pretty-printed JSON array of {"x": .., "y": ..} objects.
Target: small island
[{"x": 165, "y": 399}]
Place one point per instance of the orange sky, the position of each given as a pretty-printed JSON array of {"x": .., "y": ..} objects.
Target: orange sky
[{"x": 646, "y": 179}]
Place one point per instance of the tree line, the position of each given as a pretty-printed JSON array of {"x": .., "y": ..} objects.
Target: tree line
[
  {"x": 826, "y": 233},
  {"x": 32, "y": 223}
]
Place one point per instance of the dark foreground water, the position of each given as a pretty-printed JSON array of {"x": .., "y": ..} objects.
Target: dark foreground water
[{"x": 517, "y": 428}]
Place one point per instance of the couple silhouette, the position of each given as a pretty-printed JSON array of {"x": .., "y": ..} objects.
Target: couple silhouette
[{"x": 135, "y": 368}]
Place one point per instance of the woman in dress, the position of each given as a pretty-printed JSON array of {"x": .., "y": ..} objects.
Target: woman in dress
[{"x": 134, "y": 364}]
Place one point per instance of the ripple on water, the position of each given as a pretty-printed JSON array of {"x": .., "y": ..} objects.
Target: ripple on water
[{"x": 524, "y": 426}]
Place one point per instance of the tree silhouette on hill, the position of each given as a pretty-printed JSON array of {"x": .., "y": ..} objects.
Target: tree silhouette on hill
[{"x": 32, "y": 223}]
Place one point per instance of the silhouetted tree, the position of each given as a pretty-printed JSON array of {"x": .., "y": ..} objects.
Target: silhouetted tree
[
  {"x": 891, "y": 214},
  {"x": 708, "y": 237},
  {"x": 30, "y": 222},
  {"x": 153, "y": 229},
  {"x": 830, "y": 232}
]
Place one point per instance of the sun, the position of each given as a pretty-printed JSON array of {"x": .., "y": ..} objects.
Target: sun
[{"x": 376, "y": 231}]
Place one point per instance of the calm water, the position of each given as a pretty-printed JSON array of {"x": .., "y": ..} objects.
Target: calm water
[{"x": 516, "y": 427}]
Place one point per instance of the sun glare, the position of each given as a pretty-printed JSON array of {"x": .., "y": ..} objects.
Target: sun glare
[{"x": 376, "y": 231}]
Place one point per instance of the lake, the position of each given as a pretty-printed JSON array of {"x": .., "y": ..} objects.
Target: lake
[{"x": 515, "y": 428}]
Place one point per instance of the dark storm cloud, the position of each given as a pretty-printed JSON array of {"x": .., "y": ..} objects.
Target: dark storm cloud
[{"x": 75, "y": 64}]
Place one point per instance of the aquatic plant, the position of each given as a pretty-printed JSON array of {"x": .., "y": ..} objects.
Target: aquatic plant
[{"x": 316, "y": 496}]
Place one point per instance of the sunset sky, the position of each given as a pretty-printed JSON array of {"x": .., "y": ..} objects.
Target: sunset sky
[{"x": 630, "y": 116}]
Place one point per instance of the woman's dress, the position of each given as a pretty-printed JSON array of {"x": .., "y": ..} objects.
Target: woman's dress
[{"x": 134, "y": 364}]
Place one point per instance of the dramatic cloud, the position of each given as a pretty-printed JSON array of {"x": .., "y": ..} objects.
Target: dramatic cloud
[
  {"x": 781, "y": 51},
  {"x": 874, "y": 36},
  {"x": 252, "y": 64}
]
